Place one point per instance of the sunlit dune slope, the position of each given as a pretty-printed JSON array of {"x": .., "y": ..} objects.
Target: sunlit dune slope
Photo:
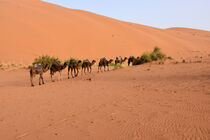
[{"x": 32, "y": 28}]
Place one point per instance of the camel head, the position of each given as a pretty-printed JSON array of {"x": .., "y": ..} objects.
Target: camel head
[
  {"x": 93, "y": 62},
  {"x": 125, "y": 58},
  {"x": 79, "y": 62},
  {"x": 46, "y": 68},
  {"x": 110, "y": 61},
  {"x": 65, "y": 64},
  {"x": 131, "y": 57}
]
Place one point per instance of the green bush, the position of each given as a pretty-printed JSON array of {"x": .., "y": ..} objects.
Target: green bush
[
  {"x": 148, "y": 57},
  {"x": 112, "y": 64},
  {"x": 117, "y": 66},
  {"x": 170, "y": 58},
  {"x": 157, "y": 54},
  {"x": 45, "y": 60}
]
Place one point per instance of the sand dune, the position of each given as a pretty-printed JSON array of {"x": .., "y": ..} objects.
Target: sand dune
[
  {"x": 32, "y": 28},
  {"x": 150, "y": 101}
]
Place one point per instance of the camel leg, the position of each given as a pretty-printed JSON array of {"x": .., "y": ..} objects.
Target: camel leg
[
  {"x": 42, "y": 78},
  {"x": 39, "y": 79},
  {"x": 60, "y": 75},
  {"x": 82, "y": 70},
  {"x": 104, "y": 67},
  {"x": 32, "y": 81},
  {"x": 51, "y": 77},
  {"x": 98, "y": 69},
  {"x": 85, "y": 70},
  {"x": 77, "y": 72},
  {"x": 68, "y": 72},
  {"x": 72, "y": 73},
  {"x": 90, "y": 69}
]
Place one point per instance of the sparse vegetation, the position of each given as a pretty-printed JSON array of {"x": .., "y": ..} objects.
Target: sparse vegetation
[
  {"x": 170, "y": 58},
  {"x": 4, "y": 66},
  {"x": 176, "y": 62},
  {"x": 1, "y": 66},
  {"x": 45, "y": 60},
  {"x": 148, "y": 57},
  {"x": 183, "y": 61},
  {"x": 116, "y": 66}
]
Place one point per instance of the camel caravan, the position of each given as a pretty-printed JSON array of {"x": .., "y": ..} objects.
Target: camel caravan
[
  {"x": 73, "y": 68},
  {"x": 44, "y": 63}
]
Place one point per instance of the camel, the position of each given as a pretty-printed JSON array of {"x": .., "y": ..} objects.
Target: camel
[
  {"x": 74, "y": 66},
  {"x": 38, "y": 69},
  {"x": 87, "y": 65},
  {"x": 120, "y": 60},
  {"x": 105, "y": 63},
  {"x": 57, "y": 66},
  {"x": 130, "y": 60}
]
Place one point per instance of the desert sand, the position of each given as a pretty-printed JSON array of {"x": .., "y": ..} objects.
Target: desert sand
[{"x": 149, "y": 101}]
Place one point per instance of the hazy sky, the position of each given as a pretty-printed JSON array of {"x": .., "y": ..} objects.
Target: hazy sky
[{"x": 157, "y": 13}]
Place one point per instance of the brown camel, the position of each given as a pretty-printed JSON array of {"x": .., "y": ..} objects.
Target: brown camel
[
  {"x": 74, "y": 66},
  {"x": 57, "y": 66},
  {"x": 120, "y": 60},
  {"x": 105, "y": 63},
  {"x": 130, "y": 60},
  {"x": 87, "y": 65},
  {"x": 38, "y": 69}
]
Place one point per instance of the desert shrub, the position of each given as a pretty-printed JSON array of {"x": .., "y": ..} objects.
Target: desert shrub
[
  {"x": 45, "y": 60},
  {"x": 169, "y": 57},
  {"x": 156, "y": 49},
  {"x": 117, "y": 66},
  {"x": 1, "y": 65},
  {"x": 136, "y": 61},
  {"x": 112, "y": 64},
  {"x": 157, "y": 54},
  {"x": 148, "y": 57},
  {"x": 183, "y": 61}
]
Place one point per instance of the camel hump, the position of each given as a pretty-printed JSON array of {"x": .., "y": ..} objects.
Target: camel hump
[
  {"x": 72, "y": 61},
  {"x": 103, "y": 59},
  {"x": 56, "y": 63},
  {"x": 119, "y": 58},
  {"x": 37, "y": 65},
  {"x": 131, "y": 57},
  {"x": 86, "y": 61}
]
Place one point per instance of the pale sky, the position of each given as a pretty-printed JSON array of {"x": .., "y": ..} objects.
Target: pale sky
[{"x": 156, "y": 13}]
